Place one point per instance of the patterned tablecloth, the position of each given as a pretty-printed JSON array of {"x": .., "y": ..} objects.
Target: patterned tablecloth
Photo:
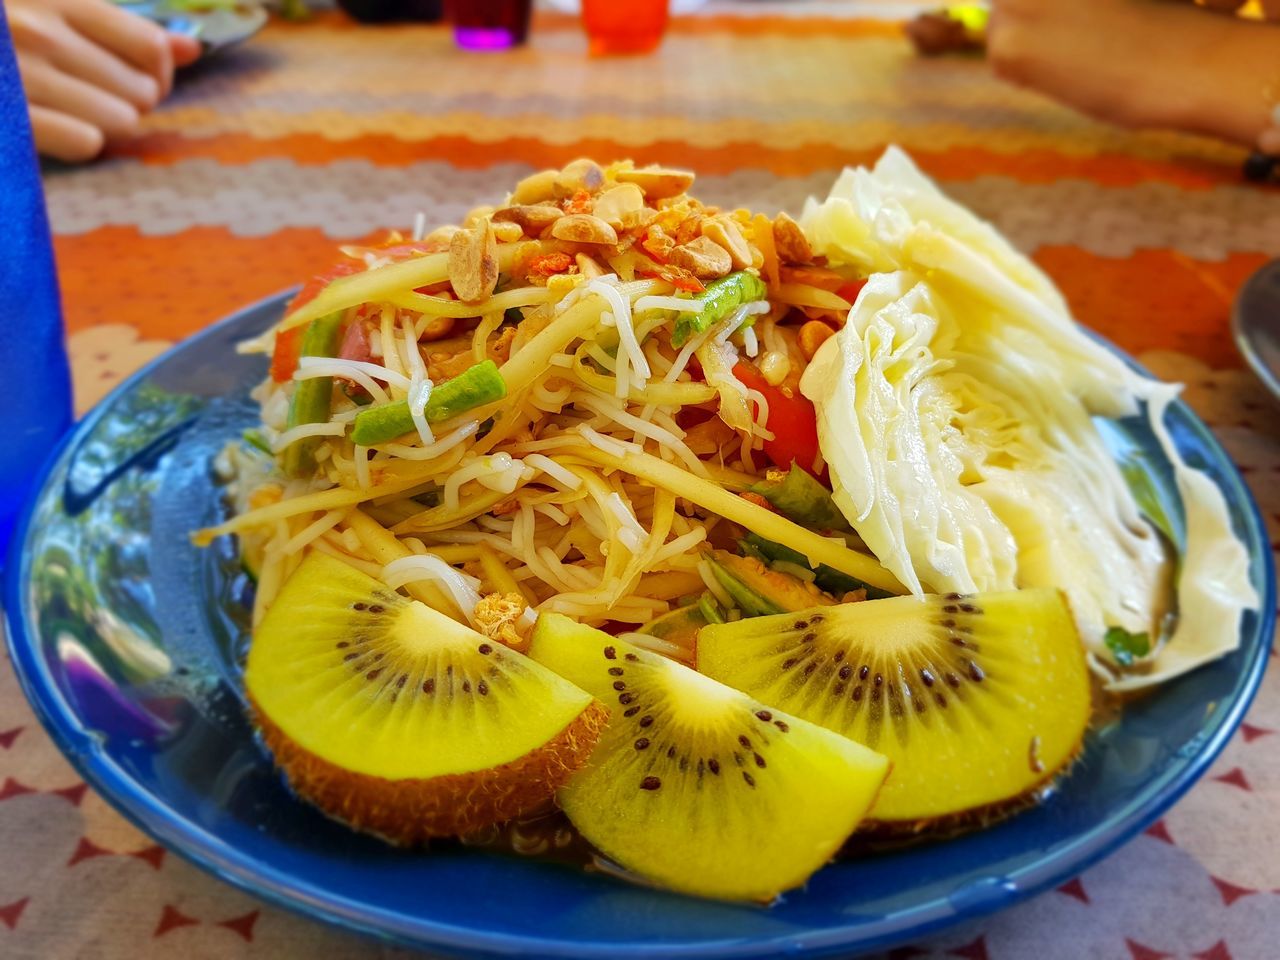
[{"x": 316, "y": 133}]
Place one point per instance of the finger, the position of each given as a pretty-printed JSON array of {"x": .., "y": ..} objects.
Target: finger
[
  {"x": 95, "y": 65},
  {"x": 129, "y": 36},
  {"x": 186, "y": 50},
  {"x": 63, "y": 137},
  {"x": 47, "y": 86}
]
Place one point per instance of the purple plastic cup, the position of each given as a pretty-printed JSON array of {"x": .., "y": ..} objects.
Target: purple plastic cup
[{"x": 489, "y": 24}]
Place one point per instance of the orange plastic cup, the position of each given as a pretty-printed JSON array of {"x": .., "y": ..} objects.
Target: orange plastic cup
[{"x": 624, "y": 26}]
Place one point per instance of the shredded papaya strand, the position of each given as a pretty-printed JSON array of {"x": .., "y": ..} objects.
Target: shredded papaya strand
[
  {"x": 499, "y": 577},
  {"x": 396, "y": 478},
  {"x": 441, "y": 518},
  {"x": 450, "y": 553},
  {"x": 669, "y": 585},
  {"x": 664, "y": 509},
  {"x": 499, "y": 303},
  {"x": 375, "y": 286},
  {"x": 805, "y": 295},
  {"x": 600, "y": 492},
  {"x": 817, "y": 549},
  {"x": 680, "y": 393},
  {"x": 384, "y": 547}
]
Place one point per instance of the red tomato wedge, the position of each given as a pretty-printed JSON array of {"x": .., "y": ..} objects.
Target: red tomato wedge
[
  {"x": 793, "y": 421},
  {"x": 284, "y": 359},
  {"x": 851, "y": 290}
]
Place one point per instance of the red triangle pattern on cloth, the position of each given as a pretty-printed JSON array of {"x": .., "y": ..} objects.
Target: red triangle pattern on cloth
[
  {"x": 1230, "y": 892},
  {"x": 8, "y": 736},
  {"x": 1139, "y": 952},
  {"x": 1252, "y": 733},
  {"x": 74, "y": 793},
  {"x": 171, "y": 919},
  {"x": 242, "y": 925},
  {"x": 1235, "y": 777},
  {"x": 153, "y": 855},
  {"x": 85, "y": 850},
  {"x": 1074, "y": 888},
  {"x": 1160, "y": 832},
  {"x": 977, "y": 950},
  {"x": 10, "y": 912},
  {"x": 1218, "y": 951},
  {"x": 12, "y": 788}
]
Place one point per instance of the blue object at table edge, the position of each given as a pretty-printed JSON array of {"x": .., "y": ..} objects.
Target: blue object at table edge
[{"x": 33, "y": 354}]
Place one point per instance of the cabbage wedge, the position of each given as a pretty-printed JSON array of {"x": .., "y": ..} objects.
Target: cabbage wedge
[{"x": 956, "y": 412}]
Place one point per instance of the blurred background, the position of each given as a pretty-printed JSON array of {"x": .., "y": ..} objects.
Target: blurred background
[{"x": 1124, "y": 144}]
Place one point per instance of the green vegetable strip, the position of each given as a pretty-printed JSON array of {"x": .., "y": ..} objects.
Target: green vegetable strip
[
  {"x": 472, "y": 388},
  {"x": 767, "y": 524},
  {"x": 312, "y": 399},
  {"x": 803, "y": 499},
  {"x": 709, "y": 609},
  {"x": 825, "y": 578},
  {"x": 721, "y": 298},
  {"x": 749, "y": 601}
]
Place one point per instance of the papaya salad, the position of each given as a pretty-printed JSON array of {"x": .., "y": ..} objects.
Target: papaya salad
[{"x": 673, "y": 515}]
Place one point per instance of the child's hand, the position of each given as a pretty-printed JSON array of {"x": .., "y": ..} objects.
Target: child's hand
[{"x": 90, "y": 69}]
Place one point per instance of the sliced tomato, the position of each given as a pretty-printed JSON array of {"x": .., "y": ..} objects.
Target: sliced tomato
[
  {"x": 793, "y": 421},
  {"x": 851, "y": 290},
  {"x": 284, "y": 359},
  {"x": 311, "y": 289},
  {"x": 355, "y": 343}
]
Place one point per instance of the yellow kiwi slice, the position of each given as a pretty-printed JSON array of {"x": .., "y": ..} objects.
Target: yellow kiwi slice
[
  {"x": 399, "y": 721},
  {"x": 977, "y": 701},
  {"x": 699, "y": 787}
]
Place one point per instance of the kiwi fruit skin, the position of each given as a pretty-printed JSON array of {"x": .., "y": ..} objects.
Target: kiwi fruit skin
[
  {"x": 494, "y": 739},
  {"x": 979, "y": 702},
  {"x": 411, "y": 811},
  {"x": 699, "y": 788}
]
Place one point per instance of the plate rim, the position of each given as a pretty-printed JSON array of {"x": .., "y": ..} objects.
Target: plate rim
[
  {"x": 1268, "y": 377},
  {"x": 234, "y": 865}
]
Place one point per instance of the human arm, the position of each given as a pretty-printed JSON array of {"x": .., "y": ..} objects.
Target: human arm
[{"x": 1142, "y": 63}]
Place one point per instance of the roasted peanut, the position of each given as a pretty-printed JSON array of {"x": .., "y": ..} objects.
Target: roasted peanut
[
  {"x": 775, "y": 366},
  {"x": 475, "y": 214},
  {"x": 584, "y": 228},
  {"x": 656, "y": 182},
  {"x": 703, "y": 258},
  {"x": 793, "y": 246},
  {"x": 535, "y": 188},
  {"x": 507, "y": 232},
  {"x": 531, "y": 218},
  {"x": 473, "y": 262},
  {"x": 616, "y": 204},
  {"x": 442, "y": 234},
  {"x": 437, "y": 328},
  {"x": 726, "y": 234},
  {"x": 580, "y": 174},
  {"x": 811, "y": 336},
  {"x": 656, "y": 242}
]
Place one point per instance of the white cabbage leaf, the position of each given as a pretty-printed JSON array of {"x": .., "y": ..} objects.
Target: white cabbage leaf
[{"x": 955, "y": 411}]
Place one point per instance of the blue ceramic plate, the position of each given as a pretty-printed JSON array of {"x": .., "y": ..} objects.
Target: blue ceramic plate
[{"x": 126, "y": 639}]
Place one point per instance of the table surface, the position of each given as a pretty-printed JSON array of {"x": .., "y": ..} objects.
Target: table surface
[{"x": 318, "y": 133}]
